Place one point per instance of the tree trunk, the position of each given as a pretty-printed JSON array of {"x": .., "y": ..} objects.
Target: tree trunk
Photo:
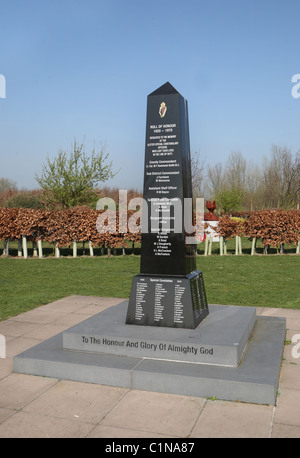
[
  {"x": 206, "y": 246},
  {"x": 74, "y": 249},
  {"x": 57, "y": 251},
  {"x": 6, "y": 247},
  {"x": 253, "y": 247},
  {"x": 225, "y": 246},
  {"x": 34, "y": 248},
  {"x": 91, "y": 248},
  {"x": 210, "y": 246},
  {"x": 40, "y": 248},
  {"x": 24, "y": 242},
  {"x": 221, "y": 245},
  {"x": 236, "y": 245},
  {"x": 20, "y": 252}
]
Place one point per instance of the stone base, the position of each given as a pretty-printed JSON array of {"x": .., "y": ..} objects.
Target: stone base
[
  {"x": 167, "y": 301},
  {"x": 250, "y": 358},
  {"x": 220, "y": 339}
]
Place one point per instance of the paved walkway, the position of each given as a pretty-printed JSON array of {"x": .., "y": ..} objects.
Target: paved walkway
[{"x": 32, "y": 406}]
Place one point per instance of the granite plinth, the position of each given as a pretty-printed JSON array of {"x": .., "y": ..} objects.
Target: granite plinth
[
  {"x": 220, "y": 339},
  {"x": 254, "y": 379}
]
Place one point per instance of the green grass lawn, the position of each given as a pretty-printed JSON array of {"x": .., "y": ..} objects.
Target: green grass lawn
[{"x": 263, "y": 281}]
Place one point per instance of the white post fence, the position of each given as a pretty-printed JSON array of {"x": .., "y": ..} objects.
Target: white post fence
[
  {"x": 40, "y": 248},
  {"x": 24, "y": 244}
]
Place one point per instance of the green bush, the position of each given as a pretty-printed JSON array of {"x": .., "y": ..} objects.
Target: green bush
[{"x": 24, "y": 201}]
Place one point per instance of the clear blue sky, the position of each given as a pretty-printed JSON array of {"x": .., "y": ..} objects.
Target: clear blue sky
[{"x": 83, "y": 69}]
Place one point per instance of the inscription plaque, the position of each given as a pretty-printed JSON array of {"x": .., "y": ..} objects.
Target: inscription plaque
[{"x": 169, "y": 290}]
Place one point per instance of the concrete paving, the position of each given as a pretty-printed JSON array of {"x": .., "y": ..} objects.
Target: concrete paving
[{"x": 33, "y": 406}]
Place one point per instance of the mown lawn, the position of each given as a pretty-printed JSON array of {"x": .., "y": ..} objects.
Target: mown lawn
[{"x": 263, "y": 281}]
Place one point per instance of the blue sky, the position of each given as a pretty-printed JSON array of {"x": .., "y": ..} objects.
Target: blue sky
[{"x": 83, "y": 69}]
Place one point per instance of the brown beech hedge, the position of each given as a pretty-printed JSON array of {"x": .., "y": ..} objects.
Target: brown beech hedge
[
  {"x": 62, "y": 227},
  {"x": 273, "y": 227}
]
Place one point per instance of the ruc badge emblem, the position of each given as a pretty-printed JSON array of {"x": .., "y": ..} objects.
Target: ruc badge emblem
[{"x": 162, "y": 109}]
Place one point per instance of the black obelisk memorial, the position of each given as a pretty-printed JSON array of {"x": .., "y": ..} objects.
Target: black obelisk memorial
[{"x": 169, "y": 291}]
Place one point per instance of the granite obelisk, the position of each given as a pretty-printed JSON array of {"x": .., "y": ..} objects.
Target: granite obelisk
[{"x": 169, "y": 290}]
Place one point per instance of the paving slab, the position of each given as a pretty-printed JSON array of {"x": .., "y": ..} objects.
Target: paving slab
[
  {"x": 28, "y": 425},
  {"x": 77, "y": 401},
  {"x": 19, "y": 391},
  {"x": 232, "y": 419},
  {"x": 286, "y": 413},
  {"x": 285, "y": 431},
  {"x": 151, "y": 410},
  {"x": 254, "y": 379}
]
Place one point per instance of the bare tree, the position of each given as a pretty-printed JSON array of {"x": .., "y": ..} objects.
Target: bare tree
[
  {"x": 253, "y": 199},
  {"x": 215, "y": 179},
  {"x": 242, "y": 184},
  {"x": 282, "y": 178},
  {"x": 6, "y": 183},
  {"x": 235, "y": 172},
  {"x": 197, "y": 169}
]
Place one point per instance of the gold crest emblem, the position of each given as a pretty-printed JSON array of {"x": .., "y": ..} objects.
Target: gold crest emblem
[{"x": 162, "y": 109}]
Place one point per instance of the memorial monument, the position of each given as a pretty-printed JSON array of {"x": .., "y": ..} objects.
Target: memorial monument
[
  {"x": 159, "y": 339},
  {"x": 169, "y": 290}
]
